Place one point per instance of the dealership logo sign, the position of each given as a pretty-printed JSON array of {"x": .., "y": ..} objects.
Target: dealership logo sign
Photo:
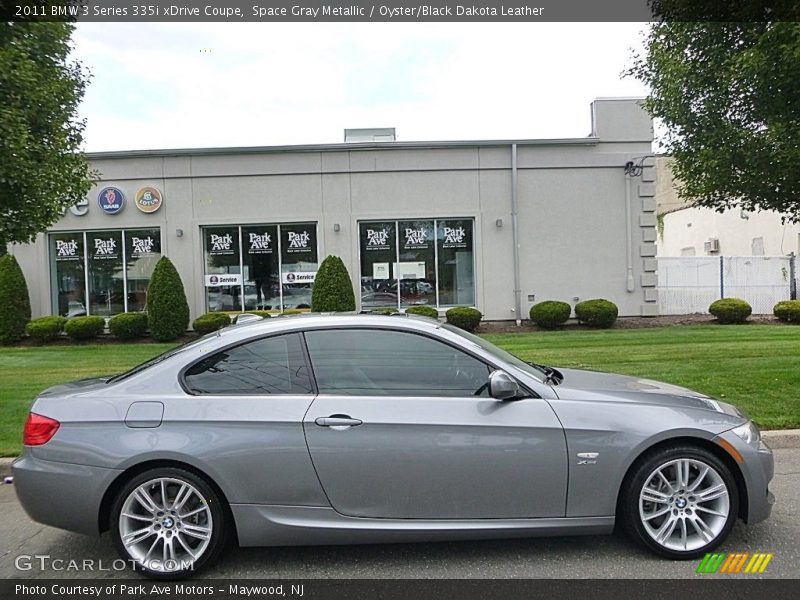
[
  {"x": 111, "y": 200},
  {"x": 260, "y": 244},
  {"x": 299, "y": 240},
  {"x": 377, "y": 237},
  {"x": 416, "y": 237},
  {"x": 221, "y": 243},
  {"x": 105, "y": 247},
  {"x": 67, "y": 249},
  {"x": 454, "y": 235},
  {"x": 148, "y": 199},
  {"x": 142, "y": 245},
  {"x": 80, "y": 208}
]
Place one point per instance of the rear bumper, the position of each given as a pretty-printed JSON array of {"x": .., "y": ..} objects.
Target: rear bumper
[
  {"x": 62, "y": 495},
  {"x": 757, "y": 471}
]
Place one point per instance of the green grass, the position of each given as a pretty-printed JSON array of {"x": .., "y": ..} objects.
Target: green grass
[{"x": 756, "y": 367}]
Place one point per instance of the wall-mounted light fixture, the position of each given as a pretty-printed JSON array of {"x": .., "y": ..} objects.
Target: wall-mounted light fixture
[
  {"x": 336, "y": 227},
  {"x": 499, "y": 222},
  {"x": 179, "y": 232}
]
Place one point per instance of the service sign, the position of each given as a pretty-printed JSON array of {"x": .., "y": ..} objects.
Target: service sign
[
  {"x": 148, "y": 199},
  {"x": 221, "y": 279},
  {"x": 111, "y": 200},
  {"x": 299, "y": 277}
]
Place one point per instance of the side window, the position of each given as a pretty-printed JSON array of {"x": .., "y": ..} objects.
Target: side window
[
  {"x": 272, "y": 365},
  {"x": 360, "y": 362}
]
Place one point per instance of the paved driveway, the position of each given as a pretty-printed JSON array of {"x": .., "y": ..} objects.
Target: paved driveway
[{"x": 591, "y": 557}]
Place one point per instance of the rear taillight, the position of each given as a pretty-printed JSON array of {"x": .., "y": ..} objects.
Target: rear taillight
[{"x": 39, "y": 430}]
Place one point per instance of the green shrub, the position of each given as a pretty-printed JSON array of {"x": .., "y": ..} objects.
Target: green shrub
[
  {"x": 15, "y": 305},
  {"x": 167, "y": 309},
  {"x": 464, "y": 317},
  {"x": 210, "y": 322},
  {"x": 128, "y": 326},
  {"x": 292, "y": 311},
  {"x": 597, "y": 312},
  {"x": 788, "y": 310},
  {"x": 46, "y": 329},
  {"x": 550, "y": 314},
  {"x": 261, "y": 313},
  {"x": 424, "y": 311},
  {"x": 333, "y": 289},
  {"x": 84, "y": 328},
  {"x": 730, "y": 310}
]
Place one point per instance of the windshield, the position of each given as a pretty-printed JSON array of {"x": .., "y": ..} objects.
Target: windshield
[
  {"x": 514, "y": 361},
  {"x": 162, "y": 357}
]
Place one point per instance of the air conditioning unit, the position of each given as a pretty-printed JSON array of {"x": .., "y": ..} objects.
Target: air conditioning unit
[{"x": 711, "y": 245}]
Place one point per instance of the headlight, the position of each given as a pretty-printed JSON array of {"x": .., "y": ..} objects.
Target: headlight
[{"x": 749, "y": 433}]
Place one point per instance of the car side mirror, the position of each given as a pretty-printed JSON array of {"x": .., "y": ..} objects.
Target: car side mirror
[{"x": 502, "y": 386}]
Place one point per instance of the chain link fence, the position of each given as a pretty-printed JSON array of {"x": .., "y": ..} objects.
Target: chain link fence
[{"x": 688, "y": 284}]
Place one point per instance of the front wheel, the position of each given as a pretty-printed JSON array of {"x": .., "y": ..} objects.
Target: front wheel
[
  {"x": 680, "y": 502},
  {"x": 168, "y": 523}
]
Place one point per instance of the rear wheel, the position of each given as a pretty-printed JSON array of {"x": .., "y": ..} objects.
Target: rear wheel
[
  {"x": 680, "y": 502},
  {"x": 168, "y": 523}
]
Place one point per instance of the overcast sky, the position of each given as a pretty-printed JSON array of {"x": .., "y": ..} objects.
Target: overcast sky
[{"x": 262, "y": 84}]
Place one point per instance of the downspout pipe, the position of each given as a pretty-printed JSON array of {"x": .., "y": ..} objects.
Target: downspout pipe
[
  {"x": 630, "y": 285},
  {"x": 515, "y": 236}
]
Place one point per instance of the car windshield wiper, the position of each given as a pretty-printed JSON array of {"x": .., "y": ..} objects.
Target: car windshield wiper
[{"x": 551, "y": 375}]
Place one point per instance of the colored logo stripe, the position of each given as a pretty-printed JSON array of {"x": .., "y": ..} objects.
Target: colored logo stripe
[{"x": 720, "y": 562}]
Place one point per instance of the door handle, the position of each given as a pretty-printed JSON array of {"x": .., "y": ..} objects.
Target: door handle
[{"x": 337, "y": 421}]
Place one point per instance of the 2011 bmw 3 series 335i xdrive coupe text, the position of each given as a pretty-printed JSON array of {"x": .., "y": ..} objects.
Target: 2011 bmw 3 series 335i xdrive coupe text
[{"x": 341, "y": 429}]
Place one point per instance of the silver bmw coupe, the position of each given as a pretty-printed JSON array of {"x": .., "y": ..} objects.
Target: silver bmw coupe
[{"x": 340, "y": 429}]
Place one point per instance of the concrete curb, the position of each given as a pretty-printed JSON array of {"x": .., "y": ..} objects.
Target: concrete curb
[{"x": 776, "y": 439}]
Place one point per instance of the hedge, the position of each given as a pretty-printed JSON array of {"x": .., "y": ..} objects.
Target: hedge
[
  {"x": 46, "y": 329},
  {"x": 464, "y": 317},
  {"x": 597, "y": 312},
  {"x": 788, "y": 311},
  {"x": 15, "y": 305},
  {"x": 167, "y": 309},
  {"x": 84, "y": 328},
  {"x": 210, "y": 322},
  {"x": 128, "y": 326},
  {"x": 424, "y": 311},
  {"x": 550, "y": 314},
  {"x": 292, "y": 311},
  {"x": 730, "y": 310},
  {"x": 333, "y": 289}
]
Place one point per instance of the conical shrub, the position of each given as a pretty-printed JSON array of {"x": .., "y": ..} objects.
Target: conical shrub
[
  {"x": 167, "y": 309},
  {"x": 333, "y": 290},
  {"x": 15, "y": 305}
]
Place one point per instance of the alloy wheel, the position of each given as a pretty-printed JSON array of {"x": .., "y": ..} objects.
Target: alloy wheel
[
  {"x": 684, "y": 504},
  {"x": 165, "y": 524}
]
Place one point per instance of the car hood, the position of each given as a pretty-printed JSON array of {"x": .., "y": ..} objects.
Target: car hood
[{"x": 585, "y": 385}]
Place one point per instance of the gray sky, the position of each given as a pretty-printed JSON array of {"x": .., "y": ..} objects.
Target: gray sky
[{"x": 253, "y": 84}]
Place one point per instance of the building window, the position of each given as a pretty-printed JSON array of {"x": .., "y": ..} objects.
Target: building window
[
  {"x": 111, "y": 269},
  {"x": 420, "y": 261},
  {"x": 260, "y": 267}
]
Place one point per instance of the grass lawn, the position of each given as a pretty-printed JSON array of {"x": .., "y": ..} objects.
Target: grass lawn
[{"x": 756, "y": 367}]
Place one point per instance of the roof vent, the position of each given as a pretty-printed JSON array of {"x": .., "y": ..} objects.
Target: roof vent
[{"x": 373, "y": 134}]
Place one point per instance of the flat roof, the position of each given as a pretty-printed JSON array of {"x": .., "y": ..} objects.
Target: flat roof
[{"x": 342, "y": 146}]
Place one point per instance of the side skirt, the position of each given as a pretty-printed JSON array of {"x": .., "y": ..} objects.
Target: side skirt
[{"x": 260, "y": 525}]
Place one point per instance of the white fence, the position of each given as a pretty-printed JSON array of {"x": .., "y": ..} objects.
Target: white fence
[{"x": 688, "y": 284}]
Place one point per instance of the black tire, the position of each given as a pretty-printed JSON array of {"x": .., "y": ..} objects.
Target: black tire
[
  {"x": 640, "y": 475},
  {"x": 219, "y": 520}
]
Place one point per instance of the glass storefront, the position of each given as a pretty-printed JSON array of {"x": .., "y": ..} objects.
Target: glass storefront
[
  {"x": 414, "y": 262},
  {"x": 111, "y": 269},
  {"x": 260, "y": 267}
]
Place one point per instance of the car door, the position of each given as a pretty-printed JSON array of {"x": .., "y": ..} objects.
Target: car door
[{"x": 403, "y": 427}]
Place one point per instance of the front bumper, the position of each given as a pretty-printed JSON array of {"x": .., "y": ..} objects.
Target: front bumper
[
  {"x": 757, "y": 471},
  {"x": 62, "y": 495}
]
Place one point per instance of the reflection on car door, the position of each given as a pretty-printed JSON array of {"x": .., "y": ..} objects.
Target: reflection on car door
[{"x": 403, "y": 427}]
